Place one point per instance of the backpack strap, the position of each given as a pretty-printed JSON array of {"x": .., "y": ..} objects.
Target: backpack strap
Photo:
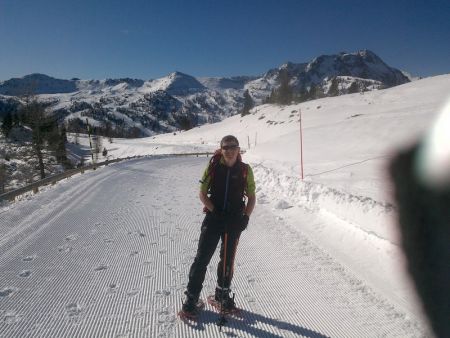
[
  {"x": 244, "y": 167},
  {"x": 213, "y": 163}
]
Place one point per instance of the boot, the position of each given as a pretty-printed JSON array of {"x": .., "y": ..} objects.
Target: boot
[
  {"x": 190, "y": 304},
  {"x": 227, "y": 301}
]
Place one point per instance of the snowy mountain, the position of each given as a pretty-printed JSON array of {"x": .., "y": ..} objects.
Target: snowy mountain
[
  {"x": 180, "y": 84},
  {"x": 221, "y": 83},
  {"x": 135, "y": 107},
  {"x": 364, "y": 68},
  {"x": 36, "y": 84}
]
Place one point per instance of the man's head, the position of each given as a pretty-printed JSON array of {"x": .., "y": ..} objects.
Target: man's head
[
  {"x": 230, "y": 140},
  {"x": 230, "y": 148}
]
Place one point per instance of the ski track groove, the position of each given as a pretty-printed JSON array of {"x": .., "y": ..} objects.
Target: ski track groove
[
  {"x": 142, "y": 220},
  {"x": 38, "y": 224}
]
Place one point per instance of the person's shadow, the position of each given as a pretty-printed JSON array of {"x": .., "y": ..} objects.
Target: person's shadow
[{"x": 245, "y": 322}]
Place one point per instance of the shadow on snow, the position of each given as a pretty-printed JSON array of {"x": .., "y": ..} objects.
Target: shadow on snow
[{"x": 245, "y": 321}]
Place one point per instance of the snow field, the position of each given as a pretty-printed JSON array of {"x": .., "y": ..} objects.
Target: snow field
[
  {"x": 107, "y": 254},
  {"x": 320, "y": 258}
]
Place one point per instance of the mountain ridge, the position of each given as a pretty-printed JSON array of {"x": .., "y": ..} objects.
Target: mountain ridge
[{"x": 180, "y": 100}]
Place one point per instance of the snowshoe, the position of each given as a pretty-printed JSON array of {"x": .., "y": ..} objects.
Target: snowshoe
[
  {"x": 227, "y": 307},
  {"x": 191, "y": 309}
]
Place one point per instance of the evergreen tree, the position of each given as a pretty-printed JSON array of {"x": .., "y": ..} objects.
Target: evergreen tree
[
  {"x": 312, "y": 92},
  {"x": 16, "y": 120},
  {"x": 184, "y": 122},
  {"x": 362, "y": 87},
  {"x": 64, "y": 134},
  {"x": 334, "y": 88},
  {"x": 301, "y": 95},
  {"x": 354, "y": 88},
  {"x": 33, "y": 116},
  {"x": 316, "y": 92},
  {"x": 248, "y": 103},
  {"x": 7, "y": 124},
  {"x": 61, "y": 154},
  {"x": 284, "y": 92},
  {"x": 272, "y": 98},
  {"x": 3, "y": 177},
  {"x": 97, "y": 145}
]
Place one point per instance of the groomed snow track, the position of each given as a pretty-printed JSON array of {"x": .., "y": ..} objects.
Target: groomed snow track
[{"x": 107, "y": 253}]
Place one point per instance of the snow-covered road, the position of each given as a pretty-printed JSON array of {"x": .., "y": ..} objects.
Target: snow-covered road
[{"x": 106, "y": 254}]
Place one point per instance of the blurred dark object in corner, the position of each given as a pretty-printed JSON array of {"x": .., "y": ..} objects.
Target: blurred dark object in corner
[{"x": 424, "y": 220}]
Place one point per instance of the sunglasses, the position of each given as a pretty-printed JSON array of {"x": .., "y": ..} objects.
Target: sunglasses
[{"x": 230, "y": 147}]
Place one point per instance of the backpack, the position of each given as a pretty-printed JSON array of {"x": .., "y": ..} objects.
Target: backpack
[{"x": 214, "y": 162}]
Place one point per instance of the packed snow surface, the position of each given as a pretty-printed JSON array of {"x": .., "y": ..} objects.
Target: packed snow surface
[{"x": 107, "y": 253}]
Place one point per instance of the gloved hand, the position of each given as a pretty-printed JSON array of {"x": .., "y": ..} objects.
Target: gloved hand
[{"x": 243, "y": 222}]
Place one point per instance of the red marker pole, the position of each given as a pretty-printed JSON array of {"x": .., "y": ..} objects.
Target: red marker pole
[{"x": 301, "y": 143}]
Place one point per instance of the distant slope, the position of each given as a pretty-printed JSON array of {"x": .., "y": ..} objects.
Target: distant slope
[{"x": 36, "y": 84}]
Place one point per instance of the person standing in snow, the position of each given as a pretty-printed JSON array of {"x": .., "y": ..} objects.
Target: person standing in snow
[{"x": 224, "y": 185}]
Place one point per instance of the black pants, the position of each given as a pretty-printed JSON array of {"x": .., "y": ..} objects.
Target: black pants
[{"x": 210, "y": 235}]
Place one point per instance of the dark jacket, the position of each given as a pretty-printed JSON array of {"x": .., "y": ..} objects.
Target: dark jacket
[{"x": 227, "y": 189}]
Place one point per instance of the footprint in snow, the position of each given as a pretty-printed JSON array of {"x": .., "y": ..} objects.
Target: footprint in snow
[
  {"x": 166, "y": 317},
  {"x": 251, "y": 280},
  {"x": 282, "y": 204},
  {"x": 112, "y": 288},
  {"x": 263, "y": 201},
  {"x": 133, "y": 292},
  {"x": 101, "y": 267},
  {"x": 11, "y": 317},
  {"x": 29, "y": 258},
  {"x": 25, "y": 273},
  {"x": 140, "y": 312},
  {"x": 122, "y": 335},
  {"x": 73, "y": 310},
  {"x": 163, "y": 293},
  {"x": 64, "y": 248},
  {"x": 250, "y": 299},
  {"x": 6, "y": 292},
  {"x": 73, "y": 237},
  {"x": 137, "y": 232}
]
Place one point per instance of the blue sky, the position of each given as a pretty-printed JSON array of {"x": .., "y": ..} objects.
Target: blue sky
[{"x": 99, "y": 39}]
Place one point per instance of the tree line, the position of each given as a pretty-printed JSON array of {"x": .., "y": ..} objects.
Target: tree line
[
  {"x": 39, "y": 129},
  {"x": 285, "y": 94}
]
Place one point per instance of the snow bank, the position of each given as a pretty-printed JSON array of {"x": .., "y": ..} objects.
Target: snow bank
[{"x": 369, "y": 215}]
